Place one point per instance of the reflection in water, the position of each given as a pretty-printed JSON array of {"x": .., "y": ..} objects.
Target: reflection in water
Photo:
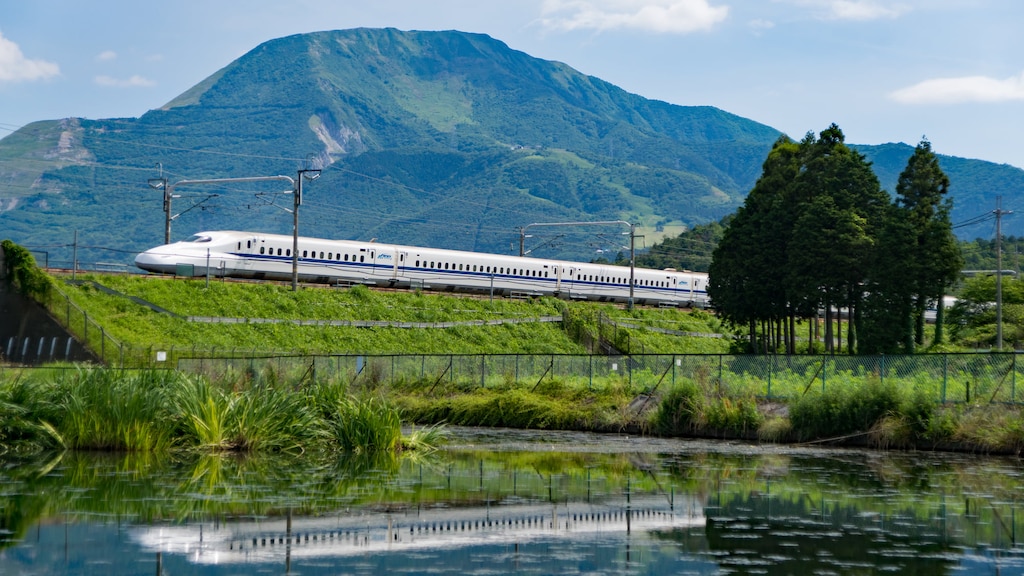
[
  {"x": 516, "y": 502},
  {"x": 275, "y": 540}
]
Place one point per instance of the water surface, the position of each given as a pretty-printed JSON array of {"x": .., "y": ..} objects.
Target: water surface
[{"x": 517, "y": 502}]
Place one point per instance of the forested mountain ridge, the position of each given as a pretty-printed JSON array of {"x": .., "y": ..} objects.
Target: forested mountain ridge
[{"x": 444, "y": 139}]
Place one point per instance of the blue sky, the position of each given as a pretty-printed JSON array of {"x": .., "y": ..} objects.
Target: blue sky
[{"x": 884, "y": 71}]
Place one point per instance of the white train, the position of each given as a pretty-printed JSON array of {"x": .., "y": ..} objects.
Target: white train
[{"x": 269, "y": 256}]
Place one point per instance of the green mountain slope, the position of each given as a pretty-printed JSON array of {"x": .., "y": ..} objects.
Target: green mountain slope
[
  {"x": 440, "y": 138},
  {"x": 974, "y": 186}
]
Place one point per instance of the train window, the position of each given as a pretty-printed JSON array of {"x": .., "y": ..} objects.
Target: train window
[
  {"x": 546, "y": 275},
  {"x": 278, "y": 251},
  {"x": 474, "y": 267},
  {"x": 305, "y": 253},
  {"x": 197, "y": 238},
  {"x": 288, "y": 252},
  {"x": 262, "y": 249},
  {"x": 330, "y": 255},
  {"x": 248, "y": 243},
  {"x": 460, "y": 266},
  {"x": 488, "y": 269},
  {"x": 239, "y": 245},
  {"x": 417, "y": 263},
  {"x": 346, "y": 257},
  {"x": 362, "y": 258}
]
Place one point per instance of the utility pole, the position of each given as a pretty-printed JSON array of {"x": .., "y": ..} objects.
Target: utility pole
[
  {"x": 999, "y": 212},
  {"x": 161, "y": 184},
  {"x": 307, "y": 174}
]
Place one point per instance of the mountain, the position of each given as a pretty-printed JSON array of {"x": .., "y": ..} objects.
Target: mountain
[
  {"x": 974, "y": 186},
  {"x": 443, "y": 139}
]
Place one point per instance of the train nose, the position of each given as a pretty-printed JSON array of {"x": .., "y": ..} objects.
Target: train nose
[{"x": 151, "y": 261}]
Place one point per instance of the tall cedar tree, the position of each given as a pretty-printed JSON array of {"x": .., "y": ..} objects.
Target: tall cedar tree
[
  {"x": 921, "y": 193},
  {"x": 753, "y": 250},
  {"x": 801, "y": 242},
  {"x": 918, "y": 258}
]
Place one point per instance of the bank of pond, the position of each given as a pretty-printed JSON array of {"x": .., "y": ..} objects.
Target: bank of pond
[{"x": 86, "y": 408}]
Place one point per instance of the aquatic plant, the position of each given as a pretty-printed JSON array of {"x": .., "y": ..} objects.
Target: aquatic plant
[
  {"x": 113, "y": 410},
  {"x": 365, "y": 425}
]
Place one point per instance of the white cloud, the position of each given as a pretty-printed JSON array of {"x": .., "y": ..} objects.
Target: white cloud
[
  {"x": 134, "y": 81},
  {"x": 14, "y": 67},
  {"x": 963, "y": 89},
  {"x": 855, "y": 9},
  {"x": 106, "y": 55},
  {"x": 666, "y": 16}
]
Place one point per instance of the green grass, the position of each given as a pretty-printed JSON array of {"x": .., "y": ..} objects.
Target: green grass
[
  {"x": 157, "y": 411},
  {"x": 138, "y": 327}
]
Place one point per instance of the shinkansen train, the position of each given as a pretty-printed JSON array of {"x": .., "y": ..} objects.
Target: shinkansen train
[{"x": 269, "y": 256}]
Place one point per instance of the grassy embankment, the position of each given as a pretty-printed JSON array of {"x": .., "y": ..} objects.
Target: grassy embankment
[{"x": 138, "y": 326}]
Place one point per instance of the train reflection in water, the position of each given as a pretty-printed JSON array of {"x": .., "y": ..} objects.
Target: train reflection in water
[{"x": 281, "y": 539}]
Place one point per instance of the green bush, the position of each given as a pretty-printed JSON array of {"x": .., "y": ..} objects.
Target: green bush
[
  {"x": 680, "y": 410},
  {"x": 841, "y": 411},
  {"x": 21, "y": 270}
]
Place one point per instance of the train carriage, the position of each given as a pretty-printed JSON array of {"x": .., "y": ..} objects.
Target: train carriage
[{"x": 269, "y": 256}]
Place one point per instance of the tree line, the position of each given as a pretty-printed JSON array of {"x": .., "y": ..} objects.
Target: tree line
[{"x": 818, "y": 239}]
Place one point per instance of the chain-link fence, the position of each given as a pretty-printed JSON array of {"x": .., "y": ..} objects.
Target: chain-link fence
[
  {"x": 946, "y": 378},
  {"x": 969, "y": 377}
]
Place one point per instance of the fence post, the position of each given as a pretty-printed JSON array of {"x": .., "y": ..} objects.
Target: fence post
[
  {"x": 1013, "y": 380},
  {"x": 945, "y": 375},
  {"x": 721, "y": 364},
  {"x": 771, "y": 368},
  {"x": 824, "y": 367}
]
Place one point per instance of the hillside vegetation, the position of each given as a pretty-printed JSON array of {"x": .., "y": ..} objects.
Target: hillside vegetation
[{"x": 129, "y": 322}]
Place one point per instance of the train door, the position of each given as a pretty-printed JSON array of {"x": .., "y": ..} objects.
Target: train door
[
  {"x": 400, "y": 259},
  {"x": 566, "y": 276},
  {"x": 248, "y": 249},
  {"x": 367, "y": 260}
]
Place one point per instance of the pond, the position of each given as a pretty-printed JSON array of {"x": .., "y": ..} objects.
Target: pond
[{"x": 517, "y": 502}]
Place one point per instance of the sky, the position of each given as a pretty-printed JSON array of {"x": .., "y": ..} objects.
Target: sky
[{"x": 951, "y": 71}]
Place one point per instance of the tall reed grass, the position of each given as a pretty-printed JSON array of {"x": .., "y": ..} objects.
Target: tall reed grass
[{"x": 152, "y": 411}]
